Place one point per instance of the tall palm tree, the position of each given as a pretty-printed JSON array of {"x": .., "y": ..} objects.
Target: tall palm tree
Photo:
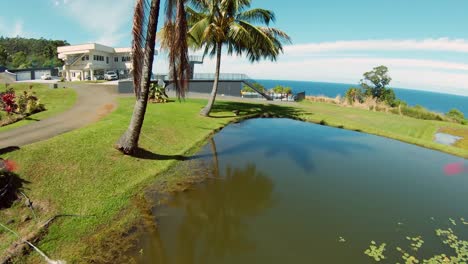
[
  {"x": 214, "y": 24},
  {"x": 145, "y": 22}
]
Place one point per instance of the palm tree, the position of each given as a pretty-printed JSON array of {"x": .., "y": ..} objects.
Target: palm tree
[
  {"x": 217, "y": 23},
  {"x": 145, "y": 22}
]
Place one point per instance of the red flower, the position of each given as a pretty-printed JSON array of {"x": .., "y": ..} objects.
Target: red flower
[
  {"x": 454, "y": 168},
  {"x": 8, "y": 165}
]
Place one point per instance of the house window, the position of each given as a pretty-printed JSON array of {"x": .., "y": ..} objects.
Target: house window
[
  {"x": 107, "y": 60},
  {"x": 125, "y": 59},
  {"x": 85, "y": 58},
  {"x": 116, "y": 59}
]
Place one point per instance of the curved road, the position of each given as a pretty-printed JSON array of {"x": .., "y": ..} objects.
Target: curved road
[{"x": 94, "y": 101}]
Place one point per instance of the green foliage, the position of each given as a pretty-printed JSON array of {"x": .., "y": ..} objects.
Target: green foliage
[
  {"x": 354, "y": 95},
  {"x": 456, "y": 115},
  {"x": 29, "y": 103},
  {"x": 376, "y": 252},
  {"x": 257, "y": 86},
  {"x": 374, "y": 85},
  {"x": 158, "y": 93},
  {"x": 279, "y": 89},
  {"x": 420, "y": 112},
  {"x": 233, "y": 24},
  {"x": 24, "y": 53}
]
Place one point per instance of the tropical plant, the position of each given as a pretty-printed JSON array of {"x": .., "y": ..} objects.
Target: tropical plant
[
  {"x": 29, "y": 103},
  {"x": 279, "y": 89},
  {"x": 229, "y": 23},
  {"x": 354, "y": 95},
  {"x": 158, "y": 93},
  {"x": 145, "y": 22}
]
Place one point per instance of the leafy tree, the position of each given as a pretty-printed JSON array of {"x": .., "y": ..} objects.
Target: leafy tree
[
  {"x": 375, "y": 82},
  {"x": 354, "y": 95},
  {"x": 20, "y": 60},
  {"x": 215, "y": 24},
  {"x": 374, "y": 85},
  {"x": 145, "y": 23},
  {"x": 4, "y": 57}
]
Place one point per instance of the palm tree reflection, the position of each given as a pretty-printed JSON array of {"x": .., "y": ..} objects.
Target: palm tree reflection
[{"x": 214, "y": 218}]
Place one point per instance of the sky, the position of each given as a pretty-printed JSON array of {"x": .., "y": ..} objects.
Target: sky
[{"x": 423, "y": 43}]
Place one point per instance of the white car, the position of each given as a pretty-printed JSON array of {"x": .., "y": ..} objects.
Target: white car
[
  {"x": 111, "y": 76},
  {"x": 46, "y": 77}
]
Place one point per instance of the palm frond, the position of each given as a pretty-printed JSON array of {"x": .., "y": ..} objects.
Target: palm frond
[
  {"x": 138, "y": 44},
  {"x": 257, "y": 15}
]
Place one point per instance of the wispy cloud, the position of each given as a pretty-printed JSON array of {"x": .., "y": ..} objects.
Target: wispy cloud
[
  {"x": 106, "y": 20},
  {"x": 441, "y": 44},
  {"x": 324, "y": 62}
]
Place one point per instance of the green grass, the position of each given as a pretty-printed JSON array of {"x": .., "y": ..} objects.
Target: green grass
[
  {"x": 55, "y": 100},
  {"x": 81, "y": 173},
  {"x": 407, "y": 129}
]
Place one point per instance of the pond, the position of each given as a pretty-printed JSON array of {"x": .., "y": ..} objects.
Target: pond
[{"x": 284, "y": 191}]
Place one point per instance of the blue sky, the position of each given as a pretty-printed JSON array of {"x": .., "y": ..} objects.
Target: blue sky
[{"x": 424, "y": 43}]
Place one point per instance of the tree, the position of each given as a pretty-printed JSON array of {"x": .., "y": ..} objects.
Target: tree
[
  {"x": 145, "y": 21},
  {"x": 375, "y": 81},
  {"x": 20, "y": 60},
  {"x": 229, "y": 23},
  {"x": 4, "y": 58}
]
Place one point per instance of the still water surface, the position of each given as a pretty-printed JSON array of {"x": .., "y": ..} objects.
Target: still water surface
[{"x": 285, "y": 191}]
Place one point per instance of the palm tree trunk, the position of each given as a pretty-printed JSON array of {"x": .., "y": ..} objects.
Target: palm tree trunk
[
  {"x": 128, "y": 143},
  {"x": 207, "y": 109}
]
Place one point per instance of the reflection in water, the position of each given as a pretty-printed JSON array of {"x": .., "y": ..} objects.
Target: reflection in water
[
  {"x": 212, "y": 225},
  {"x": 281, "y": 191}
]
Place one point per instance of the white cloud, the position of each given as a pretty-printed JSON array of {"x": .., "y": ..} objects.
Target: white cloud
[
  {"x": 441, "y": 44},
  {"x": 107, "y": 20},
  {"x": 321, "y": 62}
]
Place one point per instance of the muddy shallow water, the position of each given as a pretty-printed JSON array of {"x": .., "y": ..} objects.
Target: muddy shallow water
[{"x": 284, "y": 191}]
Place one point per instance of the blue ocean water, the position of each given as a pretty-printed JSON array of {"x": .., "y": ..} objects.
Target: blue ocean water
[{"x": 438, "y": 102}]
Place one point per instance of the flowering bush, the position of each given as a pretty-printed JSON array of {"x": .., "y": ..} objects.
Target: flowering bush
[
  {"x": 28, "y": 103},
  {"x": 8, "y": 102}
]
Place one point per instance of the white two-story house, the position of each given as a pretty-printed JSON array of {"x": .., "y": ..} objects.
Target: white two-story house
[{"x": 92, "y": 61}]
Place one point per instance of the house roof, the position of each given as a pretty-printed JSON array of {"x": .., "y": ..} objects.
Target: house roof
[{"x": 86, "y": 48}]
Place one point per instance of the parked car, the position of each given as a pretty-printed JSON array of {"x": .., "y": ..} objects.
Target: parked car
[
  {"x": 46, "y": 77},
  {"x": 111, "y": 76}
]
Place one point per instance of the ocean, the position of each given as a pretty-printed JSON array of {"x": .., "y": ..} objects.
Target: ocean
[{"x": 438, "y": 102}]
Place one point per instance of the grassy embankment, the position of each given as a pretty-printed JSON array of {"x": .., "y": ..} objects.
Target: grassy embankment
[
  {"x": 411, "y": 130},
  {"x": 55, "y": 101},
  {"x": 80, "y": 172}
]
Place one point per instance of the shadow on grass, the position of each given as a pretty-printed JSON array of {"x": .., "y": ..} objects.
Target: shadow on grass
[
  {"x": 256, "y": 110},
  {"x": 10, "y": 184},
  {"x": 148, "y": 155},
  {"x": 8, "y": 149}
]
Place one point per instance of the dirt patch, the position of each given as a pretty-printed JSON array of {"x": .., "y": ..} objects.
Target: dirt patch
[{"x": 104, "y": 111}]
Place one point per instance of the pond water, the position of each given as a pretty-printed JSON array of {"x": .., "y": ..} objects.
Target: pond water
[{"x": 284, "y": 191}]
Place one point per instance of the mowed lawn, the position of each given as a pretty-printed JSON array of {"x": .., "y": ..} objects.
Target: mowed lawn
[
  {"x": 81, "y": 173},
  {"x": 407, "y": 129},
  {"x": 55, "y": 100}
]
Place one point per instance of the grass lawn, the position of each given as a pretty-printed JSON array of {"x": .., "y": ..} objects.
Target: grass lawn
[
  {"x": 407, "y": 129},
  {"x": 81, "y": 173},
  {"x": 56, "y": 101}
]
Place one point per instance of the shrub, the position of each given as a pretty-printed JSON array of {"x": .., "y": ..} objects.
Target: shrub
[
  {"x": 258, "y": 86},
  {"x": 8, "y": 101},
  {"x": 457, "y": 116},
  {"x": 420, "y": 112},
  {"x": 354, "y": 95},
  {"x": 158, "y": 93},
  {"x": 28, "y": 103}
]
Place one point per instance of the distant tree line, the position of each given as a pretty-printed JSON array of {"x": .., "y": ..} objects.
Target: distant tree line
[{"x": 22, "y": 53}]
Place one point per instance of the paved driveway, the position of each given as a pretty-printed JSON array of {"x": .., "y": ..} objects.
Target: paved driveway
[{"x": 94, "y": 101}]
